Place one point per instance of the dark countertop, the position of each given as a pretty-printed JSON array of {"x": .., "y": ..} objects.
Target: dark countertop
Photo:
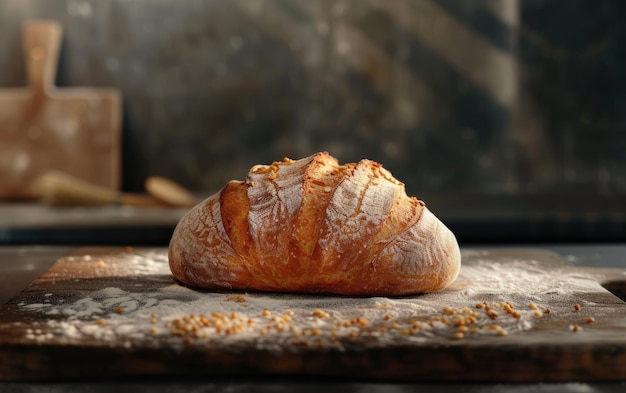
[
  {"x": 19, "y": 265},
  {"x": 34, "y": 223},
  {"x": 472, "y": 218}
]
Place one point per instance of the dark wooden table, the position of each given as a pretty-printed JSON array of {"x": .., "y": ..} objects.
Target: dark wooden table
[{"x": 20, "y": 265}]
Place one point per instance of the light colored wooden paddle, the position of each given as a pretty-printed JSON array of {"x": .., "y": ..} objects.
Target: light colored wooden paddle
[
  {"x": 170, "y": 192},
  {"x": 56, "y": 188},
  {"x": 73, "y": 130}
]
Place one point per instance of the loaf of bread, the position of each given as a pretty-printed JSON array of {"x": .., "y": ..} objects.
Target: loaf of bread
[{"x": 314, "y": 226}]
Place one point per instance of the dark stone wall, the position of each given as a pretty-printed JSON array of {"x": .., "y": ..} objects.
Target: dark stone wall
[{"x": 473, "y": 97}]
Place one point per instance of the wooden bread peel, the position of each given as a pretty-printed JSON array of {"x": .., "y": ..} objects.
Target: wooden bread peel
[
  {"x": 170, "y": 192},
  {"x": 74, "y": 130},
  {"x": 60, "y": 189},
  {"x": 56, "y": 188}
]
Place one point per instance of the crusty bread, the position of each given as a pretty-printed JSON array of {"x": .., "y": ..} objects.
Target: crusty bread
[{"x": 314, "y": 226}]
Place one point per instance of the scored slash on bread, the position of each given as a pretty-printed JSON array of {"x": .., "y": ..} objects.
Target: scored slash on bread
[{"x": 315, "y": 226}]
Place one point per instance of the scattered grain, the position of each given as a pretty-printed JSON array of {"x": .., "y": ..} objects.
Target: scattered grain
[
  {"x": 575, "y": 328},
  {"x": 493, "y": 314},
  {"x": 449, "y": 310},
  {"x": 360, "y": 321},
  {"x": 320, "y": 313}
]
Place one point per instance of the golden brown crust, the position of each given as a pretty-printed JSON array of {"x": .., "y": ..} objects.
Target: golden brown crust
[
  {"x": 315, "y": 226},
  {"x": 234, "y": 208}
]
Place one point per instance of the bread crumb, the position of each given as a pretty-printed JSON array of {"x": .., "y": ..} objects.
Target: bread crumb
[
  {"x": 236, "y": 298},
  {"x": 575, "y": 328}
]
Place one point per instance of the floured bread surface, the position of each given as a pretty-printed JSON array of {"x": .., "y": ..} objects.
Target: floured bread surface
[{"x": 314, "y": 226}]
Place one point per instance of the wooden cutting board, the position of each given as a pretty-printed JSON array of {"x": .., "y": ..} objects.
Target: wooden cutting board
[
  {"x": 74, "y": 130},
  {"x": 512, "y": 315}
]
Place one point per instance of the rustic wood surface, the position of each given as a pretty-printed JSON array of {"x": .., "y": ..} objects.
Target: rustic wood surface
[{"x": 106, "y": 313}]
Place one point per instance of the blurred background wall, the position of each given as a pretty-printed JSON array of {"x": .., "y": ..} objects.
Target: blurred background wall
[{"x": 473, "y": 100}]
